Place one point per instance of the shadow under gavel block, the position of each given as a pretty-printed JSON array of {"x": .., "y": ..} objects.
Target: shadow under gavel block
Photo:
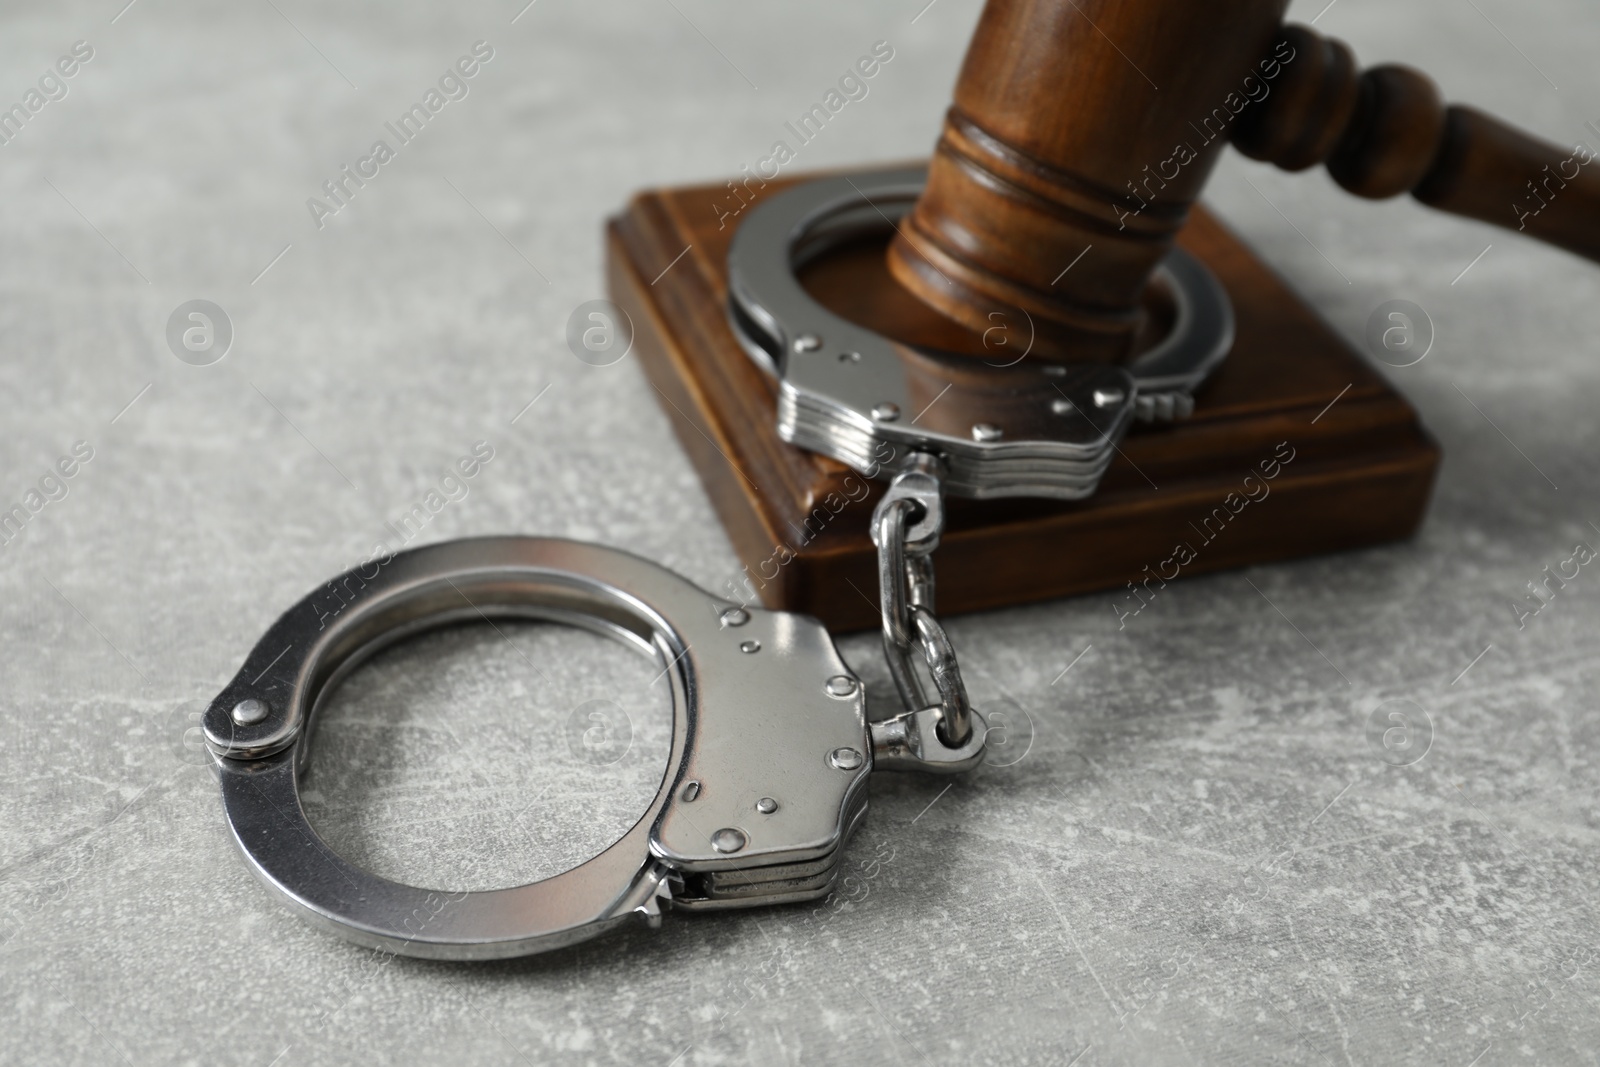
[{"x": 1296, "y": 446}]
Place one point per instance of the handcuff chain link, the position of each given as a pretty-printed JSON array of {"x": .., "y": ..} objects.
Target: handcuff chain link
[{"x": 905, "y": 528}]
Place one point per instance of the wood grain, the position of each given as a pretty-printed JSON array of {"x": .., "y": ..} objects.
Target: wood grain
[
  {"x": 1087, "y": 128},
  {"x": 1076, "y": 124}
]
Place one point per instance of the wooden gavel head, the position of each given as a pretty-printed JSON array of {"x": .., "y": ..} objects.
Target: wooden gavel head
[{"x": 1083, "y": 130}]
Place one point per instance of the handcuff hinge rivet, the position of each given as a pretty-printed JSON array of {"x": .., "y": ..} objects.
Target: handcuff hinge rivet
[
  {"x": 807, "y": 342},
  {"x": 986, "y": 431},
  {"x": 886, "y": 412},
  {"x": 735, "y": 617},
  {"x": 691, "y": 792},
  {"x": 766, "y": 805},
  {"x": 750, "y": 646},
  {"x": 728, "y": 839},
  {"x": 841, "y": 685},
  {"x": 845, "y": 759},
  {"x": 249, "y": 711}
]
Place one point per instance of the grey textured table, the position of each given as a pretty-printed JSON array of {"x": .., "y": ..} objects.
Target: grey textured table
[{"x": 1201, "y": 857}]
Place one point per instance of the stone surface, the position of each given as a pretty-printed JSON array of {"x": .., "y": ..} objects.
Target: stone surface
[{"x": 1191, "y": 849}]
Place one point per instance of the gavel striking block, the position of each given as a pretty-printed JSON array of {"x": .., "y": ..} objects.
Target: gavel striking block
[
  {"x": 1355, "y": 473},
  {"x": 1069, "y": 166}
]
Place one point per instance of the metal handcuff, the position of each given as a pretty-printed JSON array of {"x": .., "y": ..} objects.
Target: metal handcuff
[{"x": 771, "y": 743}]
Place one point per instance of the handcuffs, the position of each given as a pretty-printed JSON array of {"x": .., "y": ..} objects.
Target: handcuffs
[{"x": 772, "y": 746}]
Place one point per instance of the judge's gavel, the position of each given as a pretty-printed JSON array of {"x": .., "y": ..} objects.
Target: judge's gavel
[{"x": 1083, "y": 130}]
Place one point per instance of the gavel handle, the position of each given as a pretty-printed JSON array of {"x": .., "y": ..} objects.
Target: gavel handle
[{"x": 1387, "y": 131}]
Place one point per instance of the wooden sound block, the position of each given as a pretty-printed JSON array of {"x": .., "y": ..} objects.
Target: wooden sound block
[{"x": 1349, "y": 463}]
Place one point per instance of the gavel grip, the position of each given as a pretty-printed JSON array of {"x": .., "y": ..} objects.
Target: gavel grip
[
  {"x": 1493, "y": 172},
  {"x": 1386, "y": 131}
]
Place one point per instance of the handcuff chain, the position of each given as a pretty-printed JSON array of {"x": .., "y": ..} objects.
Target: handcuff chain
[{"x": 905, "y": 527}]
